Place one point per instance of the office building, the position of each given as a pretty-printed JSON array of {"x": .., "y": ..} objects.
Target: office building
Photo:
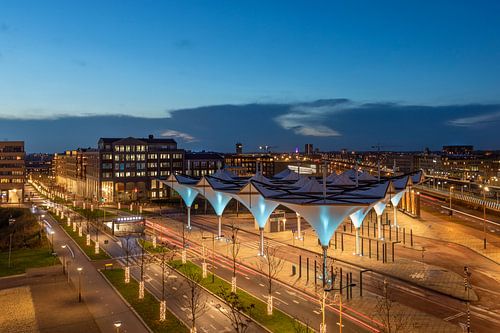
[{"x": 12, "y": 171}]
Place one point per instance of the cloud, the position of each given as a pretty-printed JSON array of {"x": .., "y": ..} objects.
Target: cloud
[
  {"x": 475, "y": 120},
  {"x": 307, "y": 119},
  {"x": 181, "y": 135}
]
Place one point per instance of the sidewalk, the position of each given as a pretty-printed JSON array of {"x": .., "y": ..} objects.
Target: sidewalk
[
  {"x": 43, "y": 301},
  {"x": 434, "y": 227},
  {"x": 421, "y": 322}
]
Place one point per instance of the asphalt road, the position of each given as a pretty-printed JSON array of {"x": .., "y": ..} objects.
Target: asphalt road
[{"x": 484, "y": 317}]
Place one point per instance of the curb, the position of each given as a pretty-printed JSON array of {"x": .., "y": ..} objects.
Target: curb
[
  {"x": 126, "y": 302},
  {"x": 219, "y": 298}
]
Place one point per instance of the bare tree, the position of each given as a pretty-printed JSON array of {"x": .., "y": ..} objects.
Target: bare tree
[
  {"x": 196, "y": 301},
  {"x": 237, "y": 310},
  {"x": 392, "y": 316},
  {"x": 128, "y": 250},
  {"x": 235, "y": 249},
  {"x": 164, "y": 257},
  {"x": 270, "y": 265}
]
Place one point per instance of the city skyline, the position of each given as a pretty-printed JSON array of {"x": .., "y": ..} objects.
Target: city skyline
[{"x": 328, "y": 124}]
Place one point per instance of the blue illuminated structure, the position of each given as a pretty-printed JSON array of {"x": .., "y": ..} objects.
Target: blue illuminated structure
[
  {"x": 184, "y": 186},
  {"x": 217, "y": 199},
  {"x": 260, "y": 208}
]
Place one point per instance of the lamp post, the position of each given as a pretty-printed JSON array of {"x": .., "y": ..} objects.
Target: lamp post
[
  {"x": 485, "y": 189},
  {"x": 52, "y": 240},
  {"x": 79, "y": 269},
  {"x": 213, "y": 237},
  {"x": 117, "y": 324},
  {"x": 322, "y": 328},
  {"x": 64, "y": 259}
]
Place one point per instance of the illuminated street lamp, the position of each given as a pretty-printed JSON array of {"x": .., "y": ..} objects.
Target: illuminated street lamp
[
  {"x": 64, "y": 259},
  {"x": 117, "y": 324},
  {"x": 52, "y": 240},
  {"x": 79, "y": 269}
]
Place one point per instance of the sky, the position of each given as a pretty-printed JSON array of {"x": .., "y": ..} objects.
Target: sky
[{"x": 338, "y": 74}]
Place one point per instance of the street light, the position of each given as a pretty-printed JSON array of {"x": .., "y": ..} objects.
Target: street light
[
  {"x": 117, "y": 324},
  {"x": 323, "y": 324},
  {"x": 79, "y": 269},
  {"x": 64, "y": 259},
  {"x": 52, "y": 240},
  {"x": 485, "y": 189},
  {"x": 213, "y": 237}
]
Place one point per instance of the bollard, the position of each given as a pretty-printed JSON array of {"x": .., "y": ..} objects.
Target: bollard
[
  {"x": 350, "y": 285},
  {"x": 294, "y": 270},
  {"x": 347, "y": 283},
  {"x": 300, "y": 266},
  {"x": 307, "y": 269}
]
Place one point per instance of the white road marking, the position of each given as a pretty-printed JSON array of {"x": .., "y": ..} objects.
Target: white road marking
[
  {"x": 295, "y": 301},
  {"x": 316, "y": 312},
  {"x": 262, "y": 285},
  {"x": 460, "y": 314}
]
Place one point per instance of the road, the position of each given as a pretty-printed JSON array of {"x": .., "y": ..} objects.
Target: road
[
  {"x": 103, "y": 303},
  {"x": 430, "y": 302}
]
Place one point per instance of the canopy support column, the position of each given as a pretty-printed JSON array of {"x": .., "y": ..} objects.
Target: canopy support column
[
  {"x": 299, "y": 232},
  {"x": 379, "y": 226},
  {"x": 261, "y": 237},
  {"x": 358, "y": 252},
  {"x": 325, "y": 268},
  {"x": 189, "y": 217},
  {"x": 219, "y": 235}
]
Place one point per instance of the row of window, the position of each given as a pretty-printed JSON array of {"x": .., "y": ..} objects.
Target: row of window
[
  {"x": 130, "y": 148},
  {"x": 136, "y": 174},
  {"x": 140, "y": 157},
  {"x": 13, "y": 180},
  {"x": 11, "y": 173},
  {"x": 10, "y": 158}
]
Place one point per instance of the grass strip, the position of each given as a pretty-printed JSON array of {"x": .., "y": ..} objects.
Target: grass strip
[
  {"x": 278, "y": 322},
  {"x": 82, "y": 241},
  {"x": 23, "y": 259},
  {"x": 148, "y": 308}
]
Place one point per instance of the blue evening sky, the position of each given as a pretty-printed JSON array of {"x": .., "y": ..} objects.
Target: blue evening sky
[{"x": 145, "y": 58}]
